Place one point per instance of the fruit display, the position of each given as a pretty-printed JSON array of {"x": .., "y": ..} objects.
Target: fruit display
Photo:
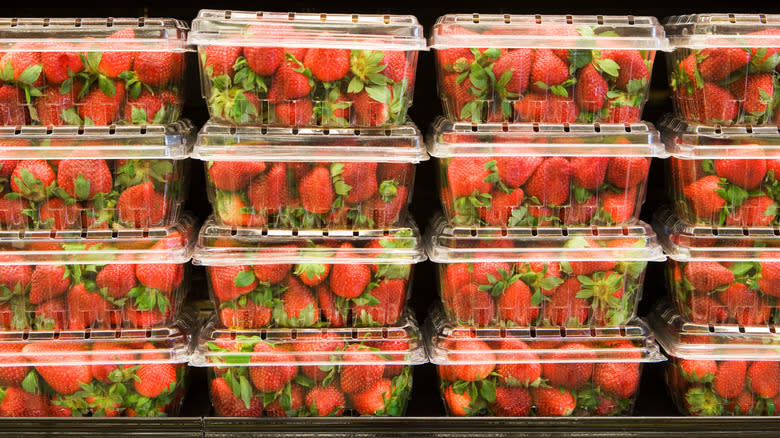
[
  {"x": 311, "y": 177},
  {"x": 544, "y": 276},
  {"x": 60, "y": 178},
  {"x": 130, "y": 373},
  {"x": 91, "y": 71},
  {"x": 308, "y": 278},
  {"x": 719, "y": 369},
  {"x": 95, "y": 279},
  {"x": 724, "y": 68},
  {"x": 723, "y": 175},
  {"x": 310, "y": 372},
  {"x": 545, "y": 68},
  {"x": 520, "y": 372},
  {"x": 721, "y": 275},
  {"x": 526, "y": 175},
  {"x": 307, "y": 68}
]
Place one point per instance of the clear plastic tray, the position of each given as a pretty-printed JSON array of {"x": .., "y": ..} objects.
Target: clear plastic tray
[
  {"x": 73, "y": 178},
  {"x": 94, "y": 279},
  {"x": 107, "y": 373},
  {"x": 541, "y": 276},
  {"x": 284, "y": 278},
  {"x": 723, "y": 175},
  {"x": 723, "y": 66},
  {"x": 719, "y": 369},
  {"x": 336, "y": 69},
  {"x": 518, "y": 372},
  {"x": 528, "y": 174},
  {"x": 309, "y": 177},
  {"x": 91, "y": 71},
  {"x": 545, "y": 68},
  {"x": 310, "y": 372}
]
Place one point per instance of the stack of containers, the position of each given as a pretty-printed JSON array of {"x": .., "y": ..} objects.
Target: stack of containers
[
  {"x": 94, "y": 246},
  {"x": 543, "y": 165},
  {"x": 309, "y": 164},
  {"x": 721, "y": 233}
]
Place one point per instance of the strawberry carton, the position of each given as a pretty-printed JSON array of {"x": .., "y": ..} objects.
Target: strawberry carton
[
  {"x": 529, "y": 175},
  {"x": 721, "y": 275},
  {"x": 91, "y": 71},
  {"x": 310, "y": 372},
  {"x": 283, "y": 177},
  {"x": 545, "y": 276},
  {"x": 723, "y": 175},
  {"x": 723, "y": 69},
  {"x": 545, "y": 68},
  {"x": 308, "y": 278},
  {"x": 94, "y": 177},
  {"x": 546, "y": 372},
  {"x": 97, "y": 373},
  {"x": 77, "y": 280},
  {"x": 298, "y": 69},
  {"x": 720, "y": 369}
]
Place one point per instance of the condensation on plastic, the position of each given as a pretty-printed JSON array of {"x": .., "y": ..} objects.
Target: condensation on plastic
[
  {"x": 539, "y": 31},
  {"x": 701, "y": 31},
  {"x": 694, "y": 141},
  {"x": 350, "y": 31}
]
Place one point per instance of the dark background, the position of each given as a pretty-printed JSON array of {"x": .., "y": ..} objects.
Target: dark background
[{"x": 425, "y": 401}]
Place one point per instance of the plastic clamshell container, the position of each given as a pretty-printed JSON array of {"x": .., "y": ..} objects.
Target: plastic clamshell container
[
  {"x": 308, "y": 278},
  {"x": 310, "y": 372},
  {"x": 528, "y": 174},
  {"x": 307, "y": 68},
  {"x": 98, "y": 373},
  {"x": 99, "y": 279},
  {"x": 723, "y": 66},
  {"x": 520, "y": 372},
  {"x": 309, "y": 177},
  {"x": 74, "y": 178},
  {"x": 721, "y": 275},
  {"x": 545, "y": 68},
  {"x": 723, "y": 175},
  {"x": 91, "y": 71},
  {"x": 719, "y": 369},
  {"x": 546, "y": 276}
]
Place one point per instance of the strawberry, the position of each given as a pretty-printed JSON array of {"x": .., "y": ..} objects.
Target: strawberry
[
  {"x": 512, "y": 402},
  {"x": 524, "y": 369},
  {"x": 501, "y": 207},
  {"x": 359, "y": 378},
  {"x": 704, "y": 198},
  {"x": 714, "y": 104},
  {"x": 105, "y": 364},
  {"x": 456, "y": 94},
  {"x": 747, "y": 173},
  {"x": 327, "y": 65},
  {"x": 620, "y": 206},
  {"x": 564, "y": 307},
  {"x": 755, "y": 211},
  {"x": 83, "y": 179},
  {"x": 744, "y": 304},
  {"x": 743, "y": 404},
  {"x": 361, "y": 177},
  {"x": 591, "y": 90},
  {"x": 547, "y": 70},
  {"x": 17, "y": 402},
  {"x": 154, "y": 379},
  {"x": 374, "y": 399},
  {"x": 349, "y": 280},
  {"x": 15, "y": 277},
  {"x": 458, "y": 404},
  {"x": 12, "y": 106},
  {"x": 317, "y": 347},
  {"x": 391, "y": 295},
  {"x": 759, "y": 92},
  {"x": 325, "y": 401},
  {"x": 262, "y": 60},
  {"x": 51, "y": 106},
  {"x": 252, "y": 315},
  {"x": 400, "y": 345},
  {"x": 234, "y": 175},
  {"x": 31, "y": 178},
  {"x": 229, "y": 282},
  {"x": 12, "y": 212},
  {"x": 518, "y": 62},
  {"x": 54, "y": 213},
  {"x": 705, "y": 310},
  {"x": 50, "y": 315},
  {"x": 298, "y": 307},
  {"x": 619, "y": 113},
  {"x": 141, "y": 206},
  {"x": 112, "y": 64},
  {"x": 627, "y": 172},
  {"x": 770, "y": 278},
  {"x": 156, "y": 69},
  {"x": 332, "y": 309},
  {"x": 98, "y": 108},
  {"x": 553, "y": 402},
  {"x": 631, "y": 65},
  {"x": 764, "y": 377},
  {"x": 396, "y": 67},
  {"x": 464, "y": 350},
  {"x": 316, "y": 190},
  {"x": 12, "y": 375},
  {"x": 85, "y": 307},
  {"x": 267, "y": 377},
  {"x": 589, "y": 172},
  {"x": 620, "y": 379},
  {"x": 62, "y": 377},
  {"x": 515, "y": 171},
  {"x": 546, "y": 109},
  {"x": 277, "y": 408},
  {"x": 288, "y": 84},
  {"x": 569, "y": 375},
  {"x": 47, "y": 282},
  {"x": 698, "y": 370},
  {"x": 117, "y": 278},
  {"x": 516, "y": 304},
  {"x": 720, "y": 62},
  {"x": 18, "y": 61},
  {"x": 466, "y": 176},
  {"x": 60, "y": 65},
  {"x": 312, "y": 274},
  {"x": 268, "y": 193},
  {"x": 275, "y": 272},
  {"x": 706, "y": 276},
  {"x": 220, "y": 59},
  {"x": 370, "y": 112},
  {"x": 157, "y": 108},
  {"x": 473, "y": 306},
  {"x": 295, "y": 113},
  {"x": 550, "y": 183},
  {"x": 730, "y": 378}
]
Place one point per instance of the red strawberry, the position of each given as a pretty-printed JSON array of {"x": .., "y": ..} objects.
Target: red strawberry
[
  {"x": 619, "y": 113},
  {"x": 620, "y": 379},
  {"x": 325, "y": 401},
  {"x": 374, "y": 399},
  {"x": 361, "y": 177},
  {"x": 704, "y": 198},
  {"x": 547, "y": 69},
  {"x": 316, "y": 190},
  {"x": 589, "y": 172},
  {"x": 516, "y": 304},
  {"x": 747, "y": 173},
  {"x": 714, "y": 104},
  {"x": 221, "y": 59},
  {"x": 250, "y": 316},
  {"x": 401, "y": 345},
  {"x": 553, "y": 402},
  {"x": 463, "y": 351},
  {"x": 113, "y": 63},
  {"x": 12, "y": 212},
  {"x": 275, "y": 272},
  {"x": 332, "y": 307},
  {"x": 759, "y": 92},
  {"x": 515, "y": 171},
  {"x": 268, "y": 377},
  {"x": 730, "y": 378},
  {"x": 632, "y": 66},
  {"x": 265, "y": 60},
  {"x": 720, "y": 62},
  {"x": 550, "y": 183},
  {"x": 85, "y": 307},
  {"x": 705, "y": 309},
  {"x": 359, "y": 378},
  {"x": 349, "y": 280},
  {"x": 744, "y": 304},
  {"x": 698, "y": 370},
  {"x": 591, "y": 89},
  {"x": 370, "y": 112},
  {"x": 571, "y": 375},
  {"x": 288, "y": 84},
  {"x": 621, "y": 207},
  {"x": 518, "y": 62},
  {"x": 31, "y": 178},
  {"x": 154, "y": 379},
  {"x": 512, "y": 402},
  {"x": 518, "y": 364},
  {"x": 18, "y": 61},
  {"x": 59, "y": 65},
  {"x": 317, "y": 347},
  {"x": 105, "y": 364},
  {"x": 295, "y": 112},
  {"x": 391, "y": 295},
  {"x": 458, "y": 404},
  {"x": 472, "y": 305},
  {"x": 763, "y": 376},
  {"x": 52, "y": 105},
  {"x": 627, "y": 172},
  {"x": 156, "y": 68},
  {"x": 298, "y": 306},
  {"x": 706, "y": 276},
  {"x": 580, "y": 212},
  {"x": 226, "y": 404},
  {"x": 755, "y": 211},
  {"x": 564, "y": 307},
  {"x": 54, "y": 213},
  {"x": 295, "y": 402},
  {"x": 12, "y": 375},
  {"x": 229, "y": 282},
  {"x": 47, "y": 282},
  {"x": 456, "y": 94},
  {"x": 327, "y": 65},
  {"x": 17, "y": 402},
  {"x": 12, "y": 106},
  {"x": 466, "y": 176},
  {"x": 743, "y": 404},
  {"x": 62, "y": 377},
  {"x": 396, "y": 67},
  {"x": 268, "y": 192},
  {"x": 770, "y": 277},
  {"x": 151, "y": 108},
  {"x": 98, "y": 108},
  {"x": 501, "y": 206},
  {"x": 51, "y": 315},
  {"x": 141, "y": 206},
  {"x": 83, "y": 179},
  {"x": 117, "y": 278},
  {"x": 234, "y": 175}
]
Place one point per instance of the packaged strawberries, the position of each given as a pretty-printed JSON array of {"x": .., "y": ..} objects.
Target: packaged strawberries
[
  {"x": 281, "y": 177},
  {"x": 524, "y": 174},
  {"x": 91, "y": 71},
  {"x": 298, "y": 69},
  {"x": 545, "y": 372},
  {"x": 76, "y": 280},
  {"x": 310, "y": 372},
  {"x": 724, "y": 68},
  {"x": 308, "y": 278},
  {"x": 719, "y": 369},
  {"x": 95, "y": 373},
  {"x": 94, "y": 177},
  {"x": 545, "y": 68},
  {"x": 545, "y": 276}
]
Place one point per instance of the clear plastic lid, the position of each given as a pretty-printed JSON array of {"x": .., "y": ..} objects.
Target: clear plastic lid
[
  {"x": 448, "y": 139},
  {"x": 687, "y": 340},
  {"x": 683, "y": 242},
  {"x": 601, "y": 344},
  {"x": 548, "y": 31},
  {"x": 700, "y": 142},
  {"x": 218, "y": 142},
  {"x": 220, "y": 245},
  {"x": 448, "y": 244},
  {"x": 173, "y": 141},
  {"x": 93, "y": 34},
  {"x": 293, "y": 29},
  {"x": 93, "y": 247},
  {"x": 701, "y": 31},
  {"x": 222, "y": 347}
]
